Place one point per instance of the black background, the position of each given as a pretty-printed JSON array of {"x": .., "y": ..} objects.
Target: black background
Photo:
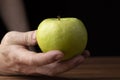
[{"x": 101, "y": 18}]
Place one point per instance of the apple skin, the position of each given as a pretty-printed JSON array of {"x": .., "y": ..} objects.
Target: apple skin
[{"x": 68, "y": 35}]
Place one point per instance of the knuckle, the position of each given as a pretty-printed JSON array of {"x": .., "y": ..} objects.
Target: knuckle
[
  {"x": 29, "y": 38},
  {"x": 10, "y": 33},
  {"x": 8, "y": 36}
]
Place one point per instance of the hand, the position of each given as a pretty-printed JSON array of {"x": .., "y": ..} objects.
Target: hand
[{"x": 16, "y": 59}]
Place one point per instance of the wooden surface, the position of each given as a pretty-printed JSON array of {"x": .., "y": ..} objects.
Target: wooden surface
[{"x": 94, "y": 68}]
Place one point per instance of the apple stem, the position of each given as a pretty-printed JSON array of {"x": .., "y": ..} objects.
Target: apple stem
[{"x": 58, "y": 17}]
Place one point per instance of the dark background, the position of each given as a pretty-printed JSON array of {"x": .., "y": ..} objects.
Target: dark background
[{"x": 101, "y": 18}]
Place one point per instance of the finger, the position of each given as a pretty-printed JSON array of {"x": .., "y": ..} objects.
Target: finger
[
  {"x": 21, "y": 38},
  {"x": 67, "y": 65},
  {"x": 59, "y": 67},
  {"x": 39, "y": 59},
  {"x": 86, "y": 53}
]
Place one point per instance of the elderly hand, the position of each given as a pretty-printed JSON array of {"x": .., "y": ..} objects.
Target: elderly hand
[{"x": 16, "y": 59}]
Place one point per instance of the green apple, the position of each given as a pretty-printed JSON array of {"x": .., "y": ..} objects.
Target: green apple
[{"x": 67, "y": 34}]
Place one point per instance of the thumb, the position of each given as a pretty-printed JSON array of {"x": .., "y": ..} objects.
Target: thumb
[{"x": 20, "y": 38}]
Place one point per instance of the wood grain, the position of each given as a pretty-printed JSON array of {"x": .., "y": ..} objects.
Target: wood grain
[
  {"x": 97, "y": 67},
  {"x": 94, "y": 68}
]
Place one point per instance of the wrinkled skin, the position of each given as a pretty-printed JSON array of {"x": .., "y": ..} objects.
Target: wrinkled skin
[{"x": 16, "y": 59}]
